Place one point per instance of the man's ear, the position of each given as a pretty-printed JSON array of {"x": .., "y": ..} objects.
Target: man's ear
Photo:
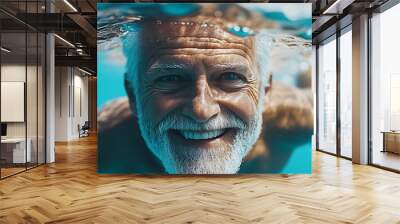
[
  {"x": 131, "y": 95},
  {"x": 269, "y": 86}
]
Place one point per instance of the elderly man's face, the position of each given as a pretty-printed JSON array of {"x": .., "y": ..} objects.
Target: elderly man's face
[{"x": 199, "y": 96}]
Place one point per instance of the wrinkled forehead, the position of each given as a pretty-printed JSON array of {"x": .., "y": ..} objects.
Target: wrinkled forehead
[{"x": 193, "y": 33}]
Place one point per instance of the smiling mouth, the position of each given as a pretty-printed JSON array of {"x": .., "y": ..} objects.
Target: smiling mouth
[
  {"x": 201, "y": 135},
  {"x": 202, "y": 138}
]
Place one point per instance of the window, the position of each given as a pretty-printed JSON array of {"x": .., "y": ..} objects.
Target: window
[
  {"x": 346, "y": 93},
  {"x": 385, "y": 89},
  {"x": 327, "y": 96}
]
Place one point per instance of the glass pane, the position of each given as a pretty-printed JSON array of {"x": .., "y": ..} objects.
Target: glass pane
[
  {"x": 327, "y": 97},
  {"x": 31, "y": 98},
  {"x": 23, "y": 82},
  {"x": 13, "y": 86},
  {"x": 346, "y": 94},
  {"x": 385, "y": 89}
]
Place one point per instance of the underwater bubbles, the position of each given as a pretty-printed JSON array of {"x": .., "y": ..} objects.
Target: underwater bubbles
[{"x": 240, "y": 31}]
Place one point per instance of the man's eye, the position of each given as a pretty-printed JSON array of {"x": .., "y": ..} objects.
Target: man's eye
[
  {"x": 169, "y": 78},
  {"x": 232, "y": 76},
  {"x": 170, "y": 82}
]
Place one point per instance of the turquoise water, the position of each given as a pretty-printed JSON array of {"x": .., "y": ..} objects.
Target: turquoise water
[
  {"x": 300, "y": 161},
  {"x": 110, "y": 79}
]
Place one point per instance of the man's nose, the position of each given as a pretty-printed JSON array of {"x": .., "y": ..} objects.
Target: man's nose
[{"x": 202, "y": 106}]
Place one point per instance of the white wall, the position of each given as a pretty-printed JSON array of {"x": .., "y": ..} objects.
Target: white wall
[
  {"x": 80, "y": 110},
  {"x": 71, "y": 94},
  {"x": 61, "y": 103}
]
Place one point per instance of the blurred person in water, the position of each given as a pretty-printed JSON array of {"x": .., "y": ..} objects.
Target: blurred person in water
[{"x": 200, "y": 91}]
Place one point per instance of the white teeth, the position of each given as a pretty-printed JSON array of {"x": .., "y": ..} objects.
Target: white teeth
[{"x": 201, "y": 134}]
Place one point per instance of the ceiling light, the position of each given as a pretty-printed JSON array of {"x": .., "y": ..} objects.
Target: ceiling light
[
  {"x": 84, "y": 71},
  {"x": 79, "y": 51},
  {"x": 327, "y": 11},
  {"x": 337, "y": 7},
  {"x": 70, "y": 5},
  {"x": 5, "y": 50},
  {"x": 64, "y": 40}
]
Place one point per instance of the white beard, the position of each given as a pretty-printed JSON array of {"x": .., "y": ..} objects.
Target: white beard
[{"x": 189, "y": 160}]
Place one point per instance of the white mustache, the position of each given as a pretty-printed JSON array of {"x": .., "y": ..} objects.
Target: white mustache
[{"x": 179, "y": 122}]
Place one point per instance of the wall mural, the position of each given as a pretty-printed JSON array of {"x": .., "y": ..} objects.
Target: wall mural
[{"x": 204, "y": 88}]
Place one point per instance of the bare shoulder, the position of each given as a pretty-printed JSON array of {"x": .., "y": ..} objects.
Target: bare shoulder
[
  {"x": 113, "y": 113},
  {"x": 288, "y": 107}
]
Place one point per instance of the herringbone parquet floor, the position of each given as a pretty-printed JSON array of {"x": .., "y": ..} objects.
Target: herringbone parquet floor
[{"x": 70, "y": 191}]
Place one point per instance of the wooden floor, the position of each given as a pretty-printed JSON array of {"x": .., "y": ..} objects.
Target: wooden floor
[
  {"x": 8, "y": 171},
  {"x": 5, "y": 172},
  {"x": 387, "y": 159},
  {"x": 70, "y": 191}
]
